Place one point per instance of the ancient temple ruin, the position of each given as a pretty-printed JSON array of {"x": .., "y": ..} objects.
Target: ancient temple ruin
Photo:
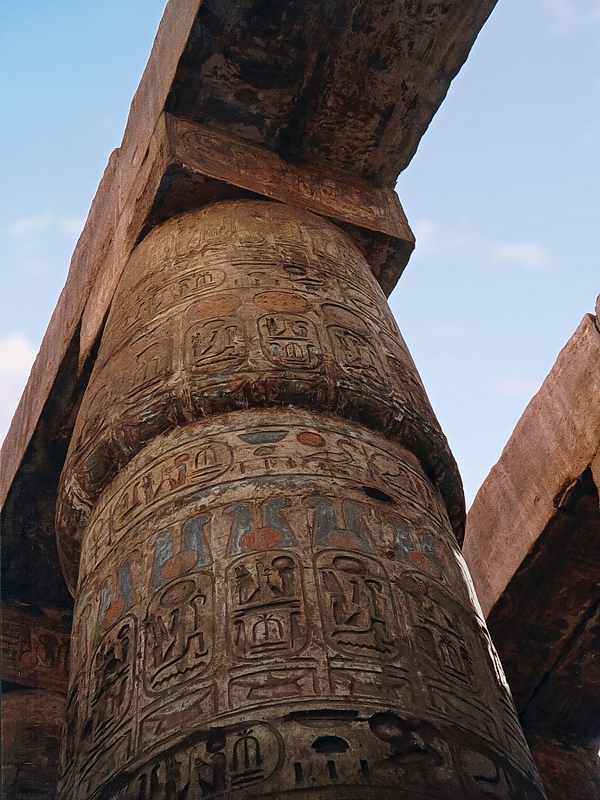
[{"x": 231, "y": 522}]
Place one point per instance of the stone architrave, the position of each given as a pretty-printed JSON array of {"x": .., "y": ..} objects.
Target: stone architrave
[{"x": 259, "y": 514}]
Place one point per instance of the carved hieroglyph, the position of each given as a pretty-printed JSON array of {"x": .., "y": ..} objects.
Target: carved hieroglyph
[
  {"x": 271, "y": 601},
  {"x": 245, "y": 304}
]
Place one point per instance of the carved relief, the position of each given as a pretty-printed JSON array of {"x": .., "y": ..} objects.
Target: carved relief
[
  {"x": 357, "y": 356},
  {"x": 115, "y": 597},
  {"x": 356, "y": 605},
  {"x": 215, "y": 345},
  {"x": 334, "y": 529},
  {"x": 176, "y": 556},
  {"x": 193, "y": 284},
  {"x": 290, "y": 341},
  {"x": 243, "y": 163},
  {"x": 184, "y": 714},
  {"x": 262, "y": 527},
  {"x": 226, "y": 759},
  {"x": 267, "y": 616},
  {"x": 197, "y": 466},
  {"x": 270, "y": 686},
  {"x": 187, "y": 463},
  {"x": 111, "y": 681},
  {"x": 34, "y": 650},
  {"x": 389, "y": 684},
  {"x": 178, "y": 625},
  {"x": 151, "y": 364},
  {"x": 438, "y": 631},
  {"x": 263, "y": 293},
  {"x": 234, "y": 565}
]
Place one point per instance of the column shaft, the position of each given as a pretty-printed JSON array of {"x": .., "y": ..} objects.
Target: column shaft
[{"x": 258, "y": 503}]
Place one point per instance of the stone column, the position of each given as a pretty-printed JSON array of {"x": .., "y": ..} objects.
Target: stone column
[
  {"x": 35, "y": 647},
  {"x": 259, "y": 504},
  {"x": 32, "y": 723},
  {"x": 569, "y": 770}
]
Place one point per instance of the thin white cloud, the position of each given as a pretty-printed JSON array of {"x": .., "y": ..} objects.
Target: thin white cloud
[
  {"x": 435, "y": 237},
  {"x": 32, "y": 239},
  {"x": 526, "y": 254},
  {"x": 71, "y": 226},
  {"x": 513, "y": 385},
  {"x": 24, "y": 229},
  {"x": 17, "y": 354},
  {"x": 424, "y": 230},
  {"x": 567, "y": 16}
]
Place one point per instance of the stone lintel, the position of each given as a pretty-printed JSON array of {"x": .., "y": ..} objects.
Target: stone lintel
[
  {"x": 554, "y": 442},
  {"x": 35, "y": 648},
  {"x": 319, "y": 188}
]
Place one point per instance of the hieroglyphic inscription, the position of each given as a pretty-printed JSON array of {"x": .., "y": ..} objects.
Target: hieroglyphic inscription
[
  {"x": 290, "y": 341},
  {"x": 216, "y": 573},
  {"x": 215, "y": 345},
  {"x": 179, "y": 632},
  {"x": 257, "y": 304},
  {"x": 289, "y": 443},
  {"x": 261, "y": 586},
  {"x": 35, "y": 650},
  {"x": 266, "y": 616},
  {"x": 356, "y": 604},
  {"x": 225, "y": 759},
  {"x": 112, "y": 678}
]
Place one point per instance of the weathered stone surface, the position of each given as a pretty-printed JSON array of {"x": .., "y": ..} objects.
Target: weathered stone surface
[
  {"x": 237, "y": 305},
  {"x": 561, "y": 428},
  {"x": 545, "y": 623},
  {"x": 285, "y": 582},
  {"x": 354, "y": 86},
  {"x": 270, "y": 597},
  {"x": 35, "y": 647},
  {"x": 32, "y": 721},
  {"x": 533, "y": 546},
  {"x": 570, "y": 772}
]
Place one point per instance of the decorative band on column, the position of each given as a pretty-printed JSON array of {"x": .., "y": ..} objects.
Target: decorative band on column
[
  {"x": 261, "y": 510},
  {"x": 273, "y": 604},
  {"x": 245, "y": 304}
]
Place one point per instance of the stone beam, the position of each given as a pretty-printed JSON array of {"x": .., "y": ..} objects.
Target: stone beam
[
  {"x": 346, "y": 89},
  {"x": 522, "y": 494},
  {"x": 533, "y": 547}
]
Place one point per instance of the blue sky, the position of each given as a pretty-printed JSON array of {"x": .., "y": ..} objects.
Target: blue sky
[{"x": 502, "y": 194}]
